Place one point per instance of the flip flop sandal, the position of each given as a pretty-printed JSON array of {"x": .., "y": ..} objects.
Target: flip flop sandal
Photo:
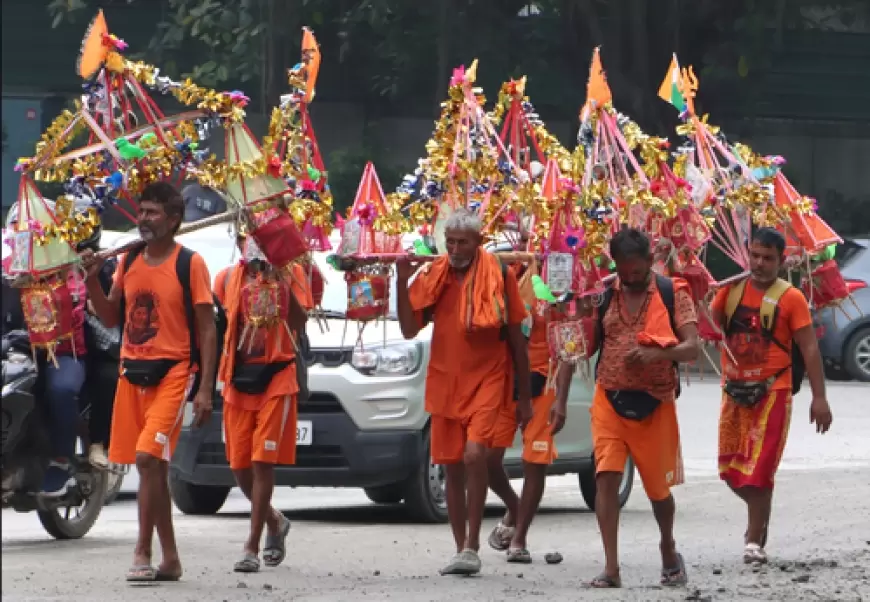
[
  {"x": 500, "y": 538},
  {"x": 248, "y": 564},
  {"x": 754, "y": 553},
  {"x": 141, "y": 573},
  {"x": 519, "y": 556},
  {"x": 276, "y": 546},
  {"x": 676, "y": 576},
  {"x": 605, "y": 581}
]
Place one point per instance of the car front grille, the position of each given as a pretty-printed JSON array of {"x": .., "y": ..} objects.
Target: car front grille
[{"x": 307, "y": 456}]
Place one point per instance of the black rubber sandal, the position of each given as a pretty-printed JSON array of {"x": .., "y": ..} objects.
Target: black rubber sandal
[{"x": 605, "y": 581}]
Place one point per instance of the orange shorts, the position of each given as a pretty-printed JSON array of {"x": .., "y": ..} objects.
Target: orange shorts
[
  {"x": 538, "y": 444},
  {"x": 266, "y": 435},
  {"x": 654, "y": 444},
  {"x": 148, "y": 420},
  {"x": 449, "y": 435}
]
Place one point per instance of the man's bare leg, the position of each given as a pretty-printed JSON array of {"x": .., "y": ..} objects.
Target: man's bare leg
[
  {"x": 759, "y": 503},
  {"x": 501, "y": 485},
  {"x": 477, "y": 485},
  {"x": 607, "y": 512},
  {"x": 456, "y": 511},
  {"x": 246, "y": 479},
  {"x": 170, "y": 564},
  {"x": 147, "y": 503},
  {"x": 665, "y": 511},
  {"x": 534, "y": 481}
]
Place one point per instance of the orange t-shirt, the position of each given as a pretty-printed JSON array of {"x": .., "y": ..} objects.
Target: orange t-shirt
[
  {"x": 155, "y": 326},
  {"x": 220, "y": 284},
  {"x": 539, "y": 348},
  {"x": 757, "y": 357},
  {"x": 460, "y": 360},
  {"x": 621, "y": 332},
  {"x": 266, "y": 345}
]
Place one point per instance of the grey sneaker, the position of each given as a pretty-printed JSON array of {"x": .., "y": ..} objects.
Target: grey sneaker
[{"x": 466, "y": 562}]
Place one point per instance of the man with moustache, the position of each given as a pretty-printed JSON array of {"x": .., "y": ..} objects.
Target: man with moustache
[
  {"x": 477, "y": 345},
  {"x": 646, "y": 325},
  {"x": 158, "y": 364}
]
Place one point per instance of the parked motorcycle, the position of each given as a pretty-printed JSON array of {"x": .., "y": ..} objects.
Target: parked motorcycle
[{"x": 26, "y": 451}]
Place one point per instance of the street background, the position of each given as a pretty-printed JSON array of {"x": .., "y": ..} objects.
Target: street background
[{"x": 342, "y": 547}]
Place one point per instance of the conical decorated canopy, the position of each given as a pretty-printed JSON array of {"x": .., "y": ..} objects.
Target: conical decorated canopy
[
  {"x": 248, "y": 181},
  {"x": 30, "y": 254}
]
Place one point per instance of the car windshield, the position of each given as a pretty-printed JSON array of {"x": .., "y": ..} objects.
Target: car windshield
[{"x": 853, "y": 259}]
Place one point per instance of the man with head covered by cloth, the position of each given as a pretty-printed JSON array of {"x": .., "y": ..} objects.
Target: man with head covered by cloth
[{"x": 477, "y": 345}]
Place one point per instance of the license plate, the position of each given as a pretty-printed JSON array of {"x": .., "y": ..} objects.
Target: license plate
[{"x": 304, "y": 432}]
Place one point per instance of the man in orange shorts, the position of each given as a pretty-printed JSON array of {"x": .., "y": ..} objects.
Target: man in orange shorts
[
  {"x": 266, "y": 312},
  {"x": 757, "y": 400},
  {"x": 646, "y": 324},
  {"x": 163, "y": 317},
  {"x": 477, "y": 345},
  {"x": 549, "y": 411}
]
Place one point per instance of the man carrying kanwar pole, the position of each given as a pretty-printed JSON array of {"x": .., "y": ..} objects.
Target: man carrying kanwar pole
[
  {"x": 477, "y": 346},
  {"x": 762, "y": 318},
  {"x": 549, "y": 412},
  {"x": 162, "y": 297},
  {"x": 266, "y": 313},
  {"x": 646, "y": 324}
]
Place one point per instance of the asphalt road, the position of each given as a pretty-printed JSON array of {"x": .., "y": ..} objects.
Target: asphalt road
[{"x": 345, "y": 548}]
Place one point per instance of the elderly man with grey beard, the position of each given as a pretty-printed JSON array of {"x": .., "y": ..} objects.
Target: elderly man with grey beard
[{"x": 477, "y": 345}]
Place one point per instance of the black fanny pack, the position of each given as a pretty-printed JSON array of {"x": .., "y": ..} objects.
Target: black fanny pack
[
  {"x": 634, "y": 405},
  {"x": 747, "y": 393},
  {"x": 146, "y": 373},
  {"x": 253, "y": 379}
]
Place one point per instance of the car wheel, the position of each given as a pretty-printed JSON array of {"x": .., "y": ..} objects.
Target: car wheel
[
  {"x": 589, "y": 488},
  {"x": 857, "y": 356},
  {"x": 388, "y": 494},
  {"x": 425, "y": 491},
  {"x": 196, "y": 499}
]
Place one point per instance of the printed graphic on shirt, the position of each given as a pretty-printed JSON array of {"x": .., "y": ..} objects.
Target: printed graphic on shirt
[
  {"x": 143, "y": 318},
  {"x": 745, "y": 340}
]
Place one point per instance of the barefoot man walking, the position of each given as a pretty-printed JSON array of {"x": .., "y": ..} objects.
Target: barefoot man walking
[
  {"x": 477, "y": 345},
  {"x": 762, "y": 319}
]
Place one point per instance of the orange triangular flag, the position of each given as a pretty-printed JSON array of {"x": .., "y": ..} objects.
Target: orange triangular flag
[
  {"x": 311, "y": 57},
  {"x": 93, "y": 52},
  {"x": 597, "y": 91},
  {"x": 550, "y": 185},
  {"x": 812, "y": 232}
]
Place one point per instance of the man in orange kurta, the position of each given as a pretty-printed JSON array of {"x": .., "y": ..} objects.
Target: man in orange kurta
[
  {"x": 477, "y": 345},
  {"x": 549, "y": 411},
  {"x": 265, "y": 313}
]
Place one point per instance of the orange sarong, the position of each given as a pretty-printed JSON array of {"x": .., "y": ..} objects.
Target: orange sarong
[{"x": 751, "y": 440}]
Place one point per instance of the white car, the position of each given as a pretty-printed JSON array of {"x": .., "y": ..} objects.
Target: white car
[{"x": 364, "y": 424}]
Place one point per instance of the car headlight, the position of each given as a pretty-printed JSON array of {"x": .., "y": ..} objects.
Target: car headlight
[{"x": 394, "y": 359}]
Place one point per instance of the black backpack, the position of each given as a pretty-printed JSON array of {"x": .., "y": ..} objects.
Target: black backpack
[
  {"x": 182, "y": 270},
  {"x": 666, "y": 291}
]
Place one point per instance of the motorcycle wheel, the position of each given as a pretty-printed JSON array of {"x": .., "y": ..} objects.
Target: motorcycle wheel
[
  {"x": 114, "y": 481},
  {"x": 74, "y": 522}
]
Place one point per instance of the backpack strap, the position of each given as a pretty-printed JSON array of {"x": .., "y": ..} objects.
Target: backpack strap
[
  {"x": 504, "y": 273},
  {"x": 668, "y": 295},
  {"x": 735, "y": 296},
  {"x": 769, "y": 310},
  {"x": 182, "y": 270}
]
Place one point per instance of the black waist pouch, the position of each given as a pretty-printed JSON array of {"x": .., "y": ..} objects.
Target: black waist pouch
[
  {"x": 253, "y": 379},
  {"x": 146, "y": 373},
  {"x": 747, "y": 393},
  {"x": 634, "y": 405}
]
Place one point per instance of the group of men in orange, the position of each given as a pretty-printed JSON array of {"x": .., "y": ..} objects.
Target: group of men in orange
[{"x": 486, "y": 379}]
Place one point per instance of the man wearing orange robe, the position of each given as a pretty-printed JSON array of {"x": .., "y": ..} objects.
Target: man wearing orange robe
[
  {"x": 477, "y": 346},
  {"x": 633, "y": 407},
  {"x": 753, "y": 433},
  {"x": 266, "y": 311}
]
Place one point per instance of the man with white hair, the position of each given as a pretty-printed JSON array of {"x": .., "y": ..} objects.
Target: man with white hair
[{"x": 477, "y": 345}]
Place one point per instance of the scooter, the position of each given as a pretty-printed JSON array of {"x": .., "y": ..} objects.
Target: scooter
[{"x": 26, "y": 451}]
